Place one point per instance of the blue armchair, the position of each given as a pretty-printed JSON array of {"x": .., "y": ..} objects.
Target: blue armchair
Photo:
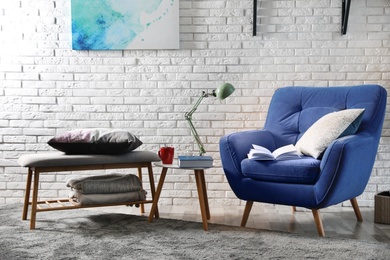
[{"x": 341, "y": 172}]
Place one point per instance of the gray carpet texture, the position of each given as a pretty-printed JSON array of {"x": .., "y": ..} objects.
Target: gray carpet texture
[{"x": 86, "y": 234}]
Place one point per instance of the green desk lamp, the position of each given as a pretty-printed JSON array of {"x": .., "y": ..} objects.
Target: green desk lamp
[{"x": 221, "y": 93}]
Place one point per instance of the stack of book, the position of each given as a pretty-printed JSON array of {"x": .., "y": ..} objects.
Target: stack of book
[{"x": 195, "y": 161}]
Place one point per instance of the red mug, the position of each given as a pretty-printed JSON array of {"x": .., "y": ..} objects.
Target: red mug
[{"x": 166, "y": 154}]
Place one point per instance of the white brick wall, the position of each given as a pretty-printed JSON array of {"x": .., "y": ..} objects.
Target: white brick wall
[{"x": 47, "y": 88}]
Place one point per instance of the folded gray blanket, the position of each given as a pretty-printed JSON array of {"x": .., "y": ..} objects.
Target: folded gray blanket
[
  {"x": 105, "y": 184},
  {"x": 98, "y": 199}
]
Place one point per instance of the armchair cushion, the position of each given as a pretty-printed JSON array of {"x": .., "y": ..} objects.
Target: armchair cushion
[
  {"x": 305, "y": 170},
  {"x": 327, "y": 129}
]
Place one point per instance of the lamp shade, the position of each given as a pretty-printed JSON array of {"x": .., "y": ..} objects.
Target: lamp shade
[{"x": 224, "y": 91}]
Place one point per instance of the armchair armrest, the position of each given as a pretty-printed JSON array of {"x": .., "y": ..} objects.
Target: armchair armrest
[
  {"x": 235, "y": 147},
  {"x": 345, "y": 169}
]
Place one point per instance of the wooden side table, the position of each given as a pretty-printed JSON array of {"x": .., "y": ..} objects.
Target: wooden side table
[{"x": 200, "y": 184}]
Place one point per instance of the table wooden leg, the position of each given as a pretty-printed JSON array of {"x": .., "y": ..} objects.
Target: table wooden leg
[
  {"x": 201, "y": 192},
  {"x": 27, "y": 194},
  {"x": 34, "y": 203},
  {"x": 206, "y": 200},
  {"x": 156, "y": 196}
]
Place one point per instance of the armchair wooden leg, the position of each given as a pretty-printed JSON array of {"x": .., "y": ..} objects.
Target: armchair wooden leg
[
  {"x": 317, "y": 219},
  {"x": 356, "y": 209},
  {"x": 248, "y": 207}
]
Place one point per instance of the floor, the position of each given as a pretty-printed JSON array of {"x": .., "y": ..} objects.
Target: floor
[{"x": 339, "y": 222}]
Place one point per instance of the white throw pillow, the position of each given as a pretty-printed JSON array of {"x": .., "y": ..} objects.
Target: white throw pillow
[{"x": 327, "y": 129}]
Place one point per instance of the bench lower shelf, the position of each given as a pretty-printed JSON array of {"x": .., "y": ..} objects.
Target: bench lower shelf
[{"x": 65, "y": 204}]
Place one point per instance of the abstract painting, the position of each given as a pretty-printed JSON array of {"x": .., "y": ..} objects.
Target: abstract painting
[{"x": 125, "y": 24}]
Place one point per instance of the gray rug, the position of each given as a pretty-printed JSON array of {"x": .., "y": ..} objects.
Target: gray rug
[{"x": 85, "y": 234}]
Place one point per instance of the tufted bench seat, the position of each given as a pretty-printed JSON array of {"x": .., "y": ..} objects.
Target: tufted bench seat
[{"x": 61, "y": 162}]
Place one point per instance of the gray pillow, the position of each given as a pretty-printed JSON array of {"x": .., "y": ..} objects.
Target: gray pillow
[
  {"x": 95, "y": 141},
  {"x": 327, "y": 129}
]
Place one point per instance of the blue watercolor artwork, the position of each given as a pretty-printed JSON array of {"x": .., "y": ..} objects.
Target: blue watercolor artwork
[{"x": 125, "y": 24}]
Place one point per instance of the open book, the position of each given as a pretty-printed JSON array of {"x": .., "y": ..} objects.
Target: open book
[{"x": 286, "y": 152}]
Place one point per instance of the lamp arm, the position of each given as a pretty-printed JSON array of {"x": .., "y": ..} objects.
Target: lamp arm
[
  {"x": 195, "y": 107},
  {"x": 188, "y": 116},
  {"x": 196, "y": 137}
]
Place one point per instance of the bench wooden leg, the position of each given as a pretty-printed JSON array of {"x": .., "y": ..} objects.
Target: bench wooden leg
[
  {"x": 27, "y": 194},
  {"x": 153, "y": 189},
  {"x": 34, "y": 203},
  {"x": 156, "y": 196},
  {"x": 142, "y": 207}
]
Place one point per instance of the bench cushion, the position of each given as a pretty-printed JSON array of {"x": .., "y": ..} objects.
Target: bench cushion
[{"x": 55, "y": 159}]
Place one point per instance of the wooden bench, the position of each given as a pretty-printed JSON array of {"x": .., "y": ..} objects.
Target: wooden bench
[{"x": 60, "y": 162}]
